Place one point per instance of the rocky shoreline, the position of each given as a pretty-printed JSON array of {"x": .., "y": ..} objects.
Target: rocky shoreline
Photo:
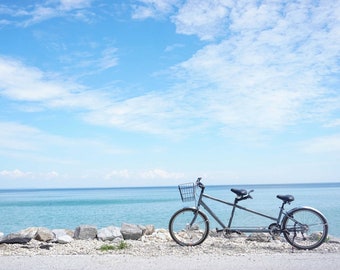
[{"x": 145, "y": 241}]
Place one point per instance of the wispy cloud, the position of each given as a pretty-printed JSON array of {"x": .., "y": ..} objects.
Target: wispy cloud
[
  {"x": 24, "y": 142},
  {"x": 20, "y": 82},
  {"x": 6, "y": 174},
  {"x": 74, "y": 4},
  {"x": 265, "y": 69},
  {"x": 144, "y": 9},
  {"x": 158, "y": 174},
  {"x": 325, "y": 145},
  {"x": 206, "y": 19},
  {"x": 268, "y": 71},
  {"x": 41, "y": 11},
  {"x": 29, "y": 84}
]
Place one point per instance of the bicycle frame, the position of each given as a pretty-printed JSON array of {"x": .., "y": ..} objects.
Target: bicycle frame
[{"x": 235, "y": 205}]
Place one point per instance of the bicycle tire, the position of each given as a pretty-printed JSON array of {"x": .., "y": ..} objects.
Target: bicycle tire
[
  {"x": 185, "y": 234},
  {"x": 305, "y": 228}
]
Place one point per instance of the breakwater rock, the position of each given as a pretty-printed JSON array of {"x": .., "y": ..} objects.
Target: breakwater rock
[{"x": 82, "y": 232}]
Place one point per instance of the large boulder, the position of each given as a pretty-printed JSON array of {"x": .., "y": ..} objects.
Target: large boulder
[
  {"x": 44, "y": 235},
  {"x": 63, "y": 236},
  {"x": 65, "y": 239},
  {"x": 15, "y": 238},
  {"x": 131, "y": 231},
  {"x": 109, "y": 233},
  {"x": 30, "y": 232},
  {"x": 85, "y": 232},
  {"x": 38, "y": 233},
  {"x": 61, "y": 232}
]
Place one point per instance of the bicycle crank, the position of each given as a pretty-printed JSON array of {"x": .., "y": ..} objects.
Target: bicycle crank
[{"x": 274, "y": 230}]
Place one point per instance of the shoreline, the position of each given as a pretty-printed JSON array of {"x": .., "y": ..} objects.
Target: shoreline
[{"x": 161, "y": 253}]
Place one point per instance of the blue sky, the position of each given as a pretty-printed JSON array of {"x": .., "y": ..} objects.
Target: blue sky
[{"x": 159, "y": 92}]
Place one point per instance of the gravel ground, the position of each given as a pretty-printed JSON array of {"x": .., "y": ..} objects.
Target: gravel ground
[{"x": 162, "y": 253}]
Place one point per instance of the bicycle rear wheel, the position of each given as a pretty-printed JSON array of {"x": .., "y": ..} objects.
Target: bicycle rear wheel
[
  {"x": 305, "y": 228},
  {"x": 189, "y": 227}
]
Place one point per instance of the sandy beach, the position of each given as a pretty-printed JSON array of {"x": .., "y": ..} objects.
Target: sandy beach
[{"x": 162, "y": 253}]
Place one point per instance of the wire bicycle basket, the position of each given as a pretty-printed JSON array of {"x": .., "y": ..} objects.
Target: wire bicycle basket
[{"x": 187, "y": 191}]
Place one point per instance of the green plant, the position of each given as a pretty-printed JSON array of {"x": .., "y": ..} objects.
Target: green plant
[
  {"x": 121, "y": 245},
  {"x": 106, "y": 247}
]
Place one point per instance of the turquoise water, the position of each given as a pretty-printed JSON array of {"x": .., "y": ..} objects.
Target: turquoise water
[{"x": 68, "y": 208}]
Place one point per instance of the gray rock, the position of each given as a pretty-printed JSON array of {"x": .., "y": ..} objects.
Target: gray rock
[
  {"x": 109, "y": 233},
  {"x": 131, "y": 231},
  {"x": 44, "y": 235},
  {"x": 60, "y": 232},
  {"x": 15, "y": 238},
  {"x": 85, "y": 232},
  {"x": 259, "y": 237},
  {"x": 149, "y": 229},
  {"x": 64, "y": 239},
  {"x": 63, "y": 236},
  {"x": 30, "y": 232}
]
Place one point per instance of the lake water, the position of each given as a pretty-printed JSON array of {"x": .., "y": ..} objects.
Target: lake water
[{"x": 69, "y": 208}]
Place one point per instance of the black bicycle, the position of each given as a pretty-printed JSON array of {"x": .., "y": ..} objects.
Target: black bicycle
[{"x": 302, "y": 227}]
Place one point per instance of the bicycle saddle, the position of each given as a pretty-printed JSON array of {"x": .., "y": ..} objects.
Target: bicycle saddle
[
  {"x": 286, "y": 198},
  {"x": 239, "y": 192}
]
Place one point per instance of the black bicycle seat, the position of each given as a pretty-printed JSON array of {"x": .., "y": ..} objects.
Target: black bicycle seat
[
  {"x": 286, "y": 198},
  {"x": 239, "y": 192}
]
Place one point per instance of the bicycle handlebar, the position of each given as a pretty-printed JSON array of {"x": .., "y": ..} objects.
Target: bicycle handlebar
[{"x": 199, "y": 183}]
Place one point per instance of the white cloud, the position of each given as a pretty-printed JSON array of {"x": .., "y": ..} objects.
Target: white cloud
[
  {"x": 109, "y": 58},
  {"x": 265, "y": 73},
  {"x": 15, "y": 174},
  {"x": 334, "y": 123},
  {"x": 35, "y": 146},
  {"x": 157, "y": 174},
  {"x": 164, "y": 114},
  {"x": 41, "y": 13},
  {"x": 173, "y": 47},
  {"x": 38, "y": 12},
  {"x": 326, "y": 144},
  {"x": 74, "y": 4},
  {"x": 118, "y": 174},
  {"x": 153, "y": 8},
  {"x": 268, "y": 71},
  {"x": 25, "y": 83},
  {"x": 92, "y": 61},
  {"x": 6, "y": 174},
  {"x": 160, "y": 174},
  {"x": 206, "y": 19},
  {"x": 14, "y": 137}
]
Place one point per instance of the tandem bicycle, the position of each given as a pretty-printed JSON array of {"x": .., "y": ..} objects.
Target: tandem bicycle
[{"x": 302, "y": 227}]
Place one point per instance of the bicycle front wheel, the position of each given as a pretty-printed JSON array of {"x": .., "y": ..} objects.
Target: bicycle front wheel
[
  {"x": 189, "y": 227},
  {"x": 305, "y": 228}
]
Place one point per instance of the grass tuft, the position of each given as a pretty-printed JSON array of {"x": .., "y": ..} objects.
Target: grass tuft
[{"x": 122, "y": 245}]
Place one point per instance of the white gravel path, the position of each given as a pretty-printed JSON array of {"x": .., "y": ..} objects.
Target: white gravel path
[{"x": 301, "y": 261}]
